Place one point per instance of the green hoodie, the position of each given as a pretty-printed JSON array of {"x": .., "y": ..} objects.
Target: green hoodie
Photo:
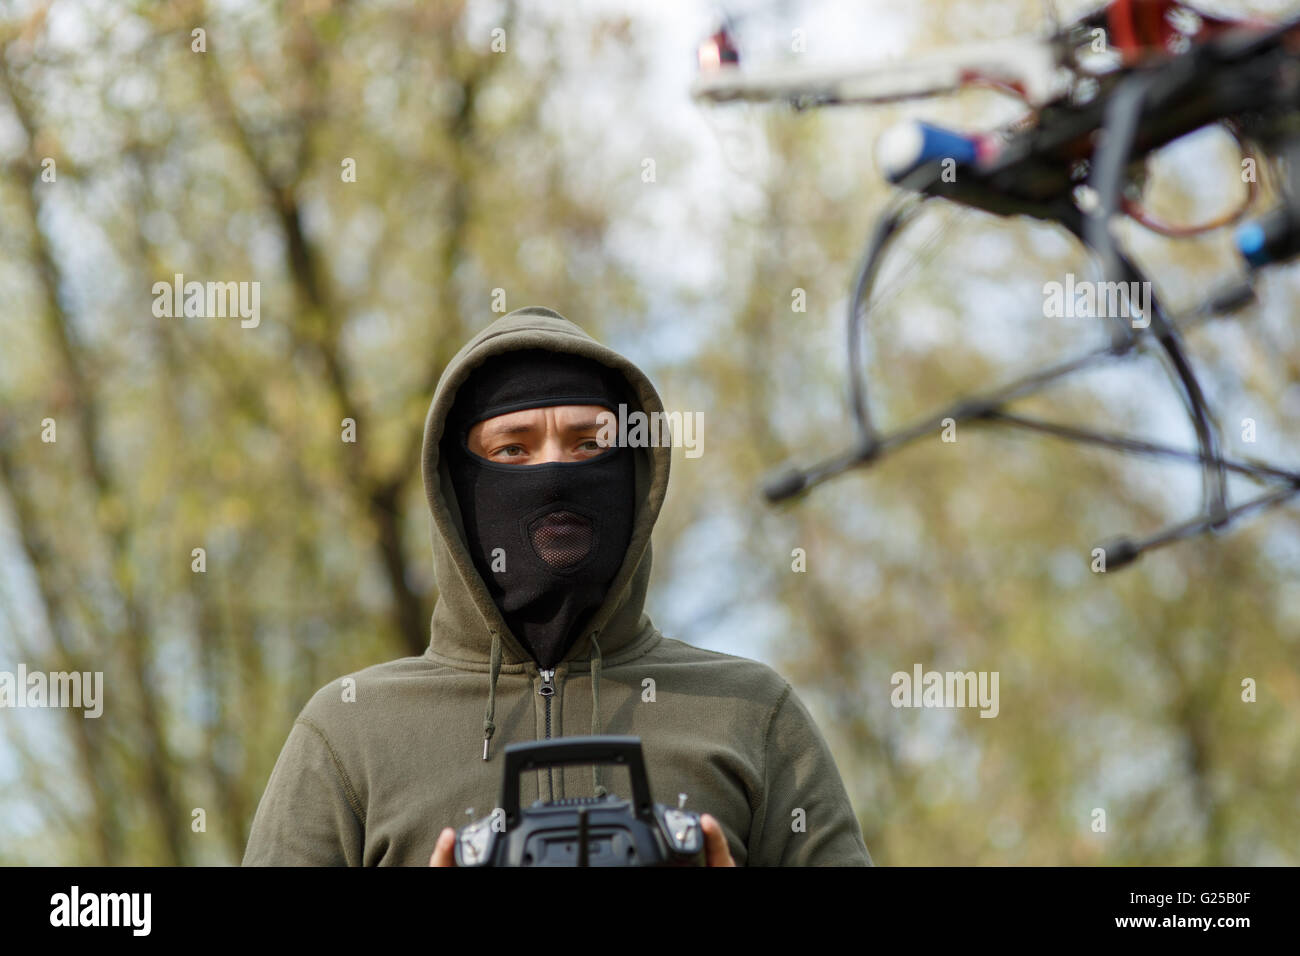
[{"x": 373, "y": 770}]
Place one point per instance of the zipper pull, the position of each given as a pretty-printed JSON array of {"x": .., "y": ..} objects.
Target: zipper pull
[{"x": 547, "y": 689}]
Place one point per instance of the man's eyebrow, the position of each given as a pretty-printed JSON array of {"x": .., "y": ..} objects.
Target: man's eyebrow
[
  {"x": 587, "y": 424},
  {"x": 501, "y": 429}
]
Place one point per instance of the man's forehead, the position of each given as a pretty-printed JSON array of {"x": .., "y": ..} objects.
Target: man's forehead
[{"x": 567, "y": 416}]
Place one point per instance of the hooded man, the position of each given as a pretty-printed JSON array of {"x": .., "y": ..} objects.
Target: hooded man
[{"x": 541, "y": 539}]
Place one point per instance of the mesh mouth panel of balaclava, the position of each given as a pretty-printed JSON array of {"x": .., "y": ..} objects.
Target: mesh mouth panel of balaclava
[
  {"x": 547, "y": 539},
  {"x": 562, "y": 538}
]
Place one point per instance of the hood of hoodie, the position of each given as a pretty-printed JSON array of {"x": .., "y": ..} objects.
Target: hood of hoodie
[{"x": 467, "y": 627}]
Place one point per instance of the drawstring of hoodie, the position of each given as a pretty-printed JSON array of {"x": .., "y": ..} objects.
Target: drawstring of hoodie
[
  {"x": 494, "y": 671},
  {"x": 595, "y": 708}
]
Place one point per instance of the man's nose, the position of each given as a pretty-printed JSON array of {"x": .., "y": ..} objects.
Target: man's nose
[{"x": 553, "y": 450}]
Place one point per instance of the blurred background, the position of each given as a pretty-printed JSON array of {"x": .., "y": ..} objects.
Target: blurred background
[{"x": 524, "y": 169}]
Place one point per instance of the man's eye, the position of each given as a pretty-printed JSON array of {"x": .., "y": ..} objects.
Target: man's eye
[{"x": 511, "y": 451}]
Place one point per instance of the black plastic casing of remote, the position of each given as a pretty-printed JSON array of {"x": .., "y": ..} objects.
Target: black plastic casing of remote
[{"x": 581, "y": 831}]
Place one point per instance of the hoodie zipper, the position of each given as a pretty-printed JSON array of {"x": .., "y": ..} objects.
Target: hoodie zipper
[{"x": 547, "y": 690}]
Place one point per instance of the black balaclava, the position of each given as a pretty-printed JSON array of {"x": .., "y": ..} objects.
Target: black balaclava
[{"x": 562, "y": 527}]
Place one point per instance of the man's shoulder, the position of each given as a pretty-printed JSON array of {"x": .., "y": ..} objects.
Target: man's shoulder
[
  {"x": 721, "y": 670},
  {"x": 331, "y": 710}
]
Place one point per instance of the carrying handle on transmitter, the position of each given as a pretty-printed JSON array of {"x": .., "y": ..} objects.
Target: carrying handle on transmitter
[{"x": 603, "y": 749}]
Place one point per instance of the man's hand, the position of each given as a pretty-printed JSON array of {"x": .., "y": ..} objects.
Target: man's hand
[
  {"x": 716, "y": 851},
  {"x": 444, "y": 851}
]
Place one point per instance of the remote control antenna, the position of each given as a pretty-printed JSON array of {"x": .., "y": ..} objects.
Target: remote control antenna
[{"x": 582, "y": 837}]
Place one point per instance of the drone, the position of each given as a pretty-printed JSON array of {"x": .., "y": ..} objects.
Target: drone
[{"x": 1075, "y": 159}]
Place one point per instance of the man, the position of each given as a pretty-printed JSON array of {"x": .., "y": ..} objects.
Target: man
[{"x": 541, "y": 539}]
